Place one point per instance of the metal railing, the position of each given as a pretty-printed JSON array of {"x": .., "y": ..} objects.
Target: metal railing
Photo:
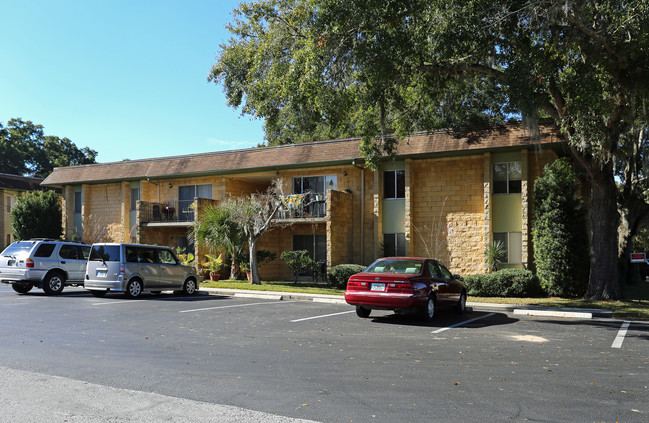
[
  {"x": 299, "y": 206},
  {"x": 167, "y": 211}
]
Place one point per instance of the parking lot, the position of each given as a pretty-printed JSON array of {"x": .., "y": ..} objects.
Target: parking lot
[{"x": 321, "y": 362}]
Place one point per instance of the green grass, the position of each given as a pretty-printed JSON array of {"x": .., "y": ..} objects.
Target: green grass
[
  {"x": 307, "y": 288},
  {"x": 635, "y": 306}
]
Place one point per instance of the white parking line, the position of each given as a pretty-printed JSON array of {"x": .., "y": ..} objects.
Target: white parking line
[
  {"x": 324, "y": 315},
  {"x": 235, "y": 305},
  {"x": 117, "y": 302},
  {"x": 462, "y": 323},
  {"x": 617, "y": 343}
]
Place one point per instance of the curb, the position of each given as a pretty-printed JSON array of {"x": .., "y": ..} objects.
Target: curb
[
  {"x": 574, "y": 313},
  {"x": 530, "y": 310}
]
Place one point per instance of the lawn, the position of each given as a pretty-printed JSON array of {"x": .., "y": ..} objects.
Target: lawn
[{"x": 634, "y": 307}]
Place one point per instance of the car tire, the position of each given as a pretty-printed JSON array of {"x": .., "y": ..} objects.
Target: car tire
[
  {"x": 428, "y": 313},
  {"x": 460, "y": 307},
  {"x": 363, "y": 312},
  {"x": 189, "y": 287},
  {"x": 54, "y": 283},
  {"x": 22, "y": 288},
  {"x": 97, "y": 293},
  {"x": 133, "y": 288}
]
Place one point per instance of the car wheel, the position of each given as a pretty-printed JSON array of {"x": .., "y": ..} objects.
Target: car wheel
[
  {"x": 54, "y": 283},
  {"x": 133, "y": 288},
  {"x": 460, "y": 307},
  {"x": 363, "y": 312},
  {"x": 97, "y": 293},
  {"x": 429, "y": 312},
  {"x": 189, "y": 287},
  {"x": 22, "y": 288}
]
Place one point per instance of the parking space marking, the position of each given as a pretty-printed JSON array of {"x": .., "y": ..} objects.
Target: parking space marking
[
  {"x": 462, "y": 323},
  {"x": 117, "y": 302},
  {"x": 617, "y": 343},
  {"x": 234, "y": 305},
  {"x": 324, "y": 315}
]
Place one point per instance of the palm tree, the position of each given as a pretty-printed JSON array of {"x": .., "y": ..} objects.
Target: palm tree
[{"x": 216, "y": 229}]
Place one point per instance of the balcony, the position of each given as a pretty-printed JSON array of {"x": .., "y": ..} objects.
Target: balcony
[
  {"x": 168, "y": 213},
  {"x": 302, "y": 206}
]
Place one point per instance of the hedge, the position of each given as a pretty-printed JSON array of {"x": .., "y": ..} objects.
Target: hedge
[
  {"x": 338, "y": 275},
  {"x": 504, "y": 283}
]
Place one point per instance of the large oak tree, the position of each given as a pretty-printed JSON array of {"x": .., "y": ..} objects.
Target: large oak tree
[{"x": 381, "y": 69}]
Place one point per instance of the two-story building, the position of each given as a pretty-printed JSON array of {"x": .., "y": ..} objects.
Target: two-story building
[
  {"x": 440, "y": 195},
  {"x": 12, "y": 187}
]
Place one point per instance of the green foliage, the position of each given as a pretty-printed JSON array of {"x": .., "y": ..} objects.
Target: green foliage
[
  {"x": 298, "y": 261},
  {"x": 504, "y": 283},
  {"x": 214, "y": 264},
  {"x": 37, "y": 214},
  {"x": 559, "y": 232},
  {"x": 26, "y": 150},
  {"x": 338, "y": 275},
  {"x": 495, "y": 254},
  {"x": 186, "y": 259}
]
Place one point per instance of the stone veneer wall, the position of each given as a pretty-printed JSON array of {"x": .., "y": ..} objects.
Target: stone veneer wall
[
  {"x": 340, "y": 229},
  {"x": 447, "y": 212},
  {"x": 102, "y": 213}
]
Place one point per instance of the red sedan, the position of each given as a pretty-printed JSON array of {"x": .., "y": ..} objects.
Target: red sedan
[{"x": 405, "y": 284}]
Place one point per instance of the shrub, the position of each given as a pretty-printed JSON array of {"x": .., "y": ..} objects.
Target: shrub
[
  {"x": 338, "y": 275},
  {"x": 559, "y": 232},
  {"x": 37, "y": 214},
  {"x": 298, "y": 261},
  {"x": 504, "y": 283}
]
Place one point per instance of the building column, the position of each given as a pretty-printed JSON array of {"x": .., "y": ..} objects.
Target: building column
[
  {"x": 378, "y": 217},
  {"x": 85, "y": 211},
  {"x": 487, "y": 204},
  {"x": 125, "y": 210},
  {"x": 408, "y": 227},
  {"x": 525, "y": 208},
  {"x": 68, "y": 211}
]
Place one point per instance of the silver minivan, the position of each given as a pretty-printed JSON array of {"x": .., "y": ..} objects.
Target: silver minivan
[{"x": 135, "y": 268}]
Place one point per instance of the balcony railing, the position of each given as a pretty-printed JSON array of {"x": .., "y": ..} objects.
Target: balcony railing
[
  {"x": 302, "y": 206},
  {"x": 167, "y": 211}
]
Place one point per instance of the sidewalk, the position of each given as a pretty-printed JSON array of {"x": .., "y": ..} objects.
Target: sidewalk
[{"x": 528, "y": 310}]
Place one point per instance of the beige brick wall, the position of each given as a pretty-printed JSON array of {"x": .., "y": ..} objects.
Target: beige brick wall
[
  {"x": 340, "y": 225},
  {"x": 447, "y": 212},
  {"x": 102, "y": 213}
]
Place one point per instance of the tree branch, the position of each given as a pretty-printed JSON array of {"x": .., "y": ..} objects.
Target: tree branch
[{"x": 473, "y": 68}]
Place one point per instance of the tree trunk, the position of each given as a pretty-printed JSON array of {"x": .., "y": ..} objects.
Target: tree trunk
[
  {"x": 604, "y": 278},
  {"x": 252, "y": 243}
]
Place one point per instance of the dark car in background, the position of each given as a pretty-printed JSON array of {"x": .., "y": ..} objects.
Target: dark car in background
[{"x": 405, "y": 285}]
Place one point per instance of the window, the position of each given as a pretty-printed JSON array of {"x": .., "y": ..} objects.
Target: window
[
  {"x": 394, "y": 245},
  {"x": 507, "y": 178},
  {"x": 166, "y": 257},
  {"x": 394, "y": 184},
  {"x": 135, "y": 197},
  {"x": 44, "y": 250},
  {"x": 312, "y": 184},
  {"x": 69, "y": 252},
  {"x": 316, "y": 245},
  {"x": 8, "y": 204},
  {"x": 513, "y": 242},
  {"x": 77, "y": 202}
]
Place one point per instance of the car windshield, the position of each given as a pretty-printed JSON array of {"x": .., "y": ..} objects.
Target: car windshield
[
  {"x": 405, "y": 266},
  {"x": 20, "y": 248},
  {"x": 104, "y": 253}
]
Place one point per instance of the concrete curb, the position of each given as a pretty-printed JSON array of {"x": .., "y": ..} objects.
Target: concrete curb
[
  {"x": 574, "y": 313},
  {"x": 531, "y": 310}
]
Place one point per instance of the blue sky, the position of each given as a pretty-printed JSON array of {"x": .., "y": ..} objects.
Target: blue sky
[{"x": 126, "y": 78}]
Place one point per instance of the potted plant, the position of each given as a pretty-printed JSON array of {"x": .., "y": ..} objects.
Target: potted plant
[
  {"x": 214, "y": 265},
  {"x": 245, "y": 267}
]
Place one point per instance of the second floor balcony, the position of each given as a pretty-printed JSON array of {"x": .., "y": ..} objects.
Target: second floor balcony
[
  {"x": 302, "y": 206},
  {"x": 167, "y": 212}
]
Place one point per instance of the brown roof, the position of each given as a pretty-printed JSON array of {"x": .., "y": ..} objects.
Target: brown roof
[
  {"x": 297, "y": 155},
  {"x": 19, "y": 183}
]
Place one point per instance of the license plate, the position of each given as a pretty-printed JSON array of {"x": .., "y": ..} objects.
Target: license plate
[
  {"x": 377, "y": 287},
  {"x": 102, "y": 273}
]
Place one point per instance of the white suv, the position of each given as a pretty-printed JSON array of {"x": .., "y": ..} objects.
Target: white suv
[{"x": 49, "y": 264}]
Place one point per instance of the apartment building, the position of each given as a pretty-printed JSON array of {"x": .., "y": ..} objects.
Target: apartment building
[
  {"x": 11, "y": 187},
  {"x": 440, "y": 195}
]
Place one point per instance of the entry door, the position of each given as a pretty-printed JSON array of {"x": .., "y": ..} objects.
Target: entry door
[{"x": 186, "y": 196}]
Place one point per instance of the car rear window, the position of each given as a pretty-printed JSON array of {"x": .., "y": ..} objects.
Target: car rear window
[
  {"x": 104, "y": 253},
  {"x": 409, "y": 267},
  {"x": 44, "y": 250},
  {"x": 18, "y": 248}
]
